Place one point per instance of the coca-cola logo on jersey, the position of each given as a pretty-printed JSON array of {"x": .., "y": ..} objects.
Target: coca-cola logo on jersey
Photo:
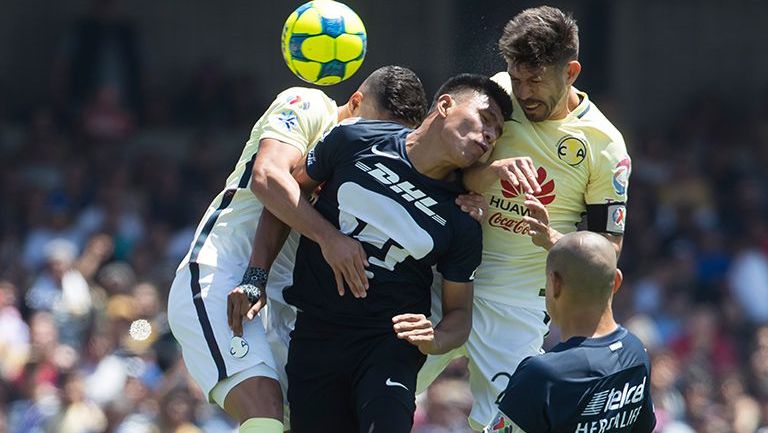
[
  {"x": 547, "y": 194},
  {"x": 509, "y": 224}
]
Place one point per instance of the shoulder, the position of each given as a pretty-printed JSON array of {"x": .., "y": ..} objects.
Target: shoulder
[
  {"x": 537, "y": 369},
  {"x": 599, "y": 131},
  {"x": 359, "y": 129},
  {"x": 464, "y": 225},
  {"x": 636, "y": 347},
  {"x": 301, "y": 96}
]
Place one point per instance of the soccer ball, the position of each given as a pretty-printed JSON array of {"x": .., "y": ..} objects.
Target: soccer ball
[{"x": 324, "y": 42}]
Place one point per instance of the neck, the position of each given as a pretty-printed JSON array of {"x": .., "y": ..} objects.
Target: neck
[
  {"x": 424, "y": 149},
  {"x": 343, "y": 112},
  {"x": 587, "y": 323},
  {"x": 567, "y": 105}
]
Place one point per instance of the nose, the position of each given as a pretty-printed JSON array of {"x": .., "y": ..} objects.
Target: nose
[{"x": 523, "y": 92}]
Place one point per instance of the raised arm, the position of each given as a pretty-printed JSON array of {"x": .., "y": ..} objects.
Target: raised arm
[
  {"x": 517, "y": 171},
  {"x": 281, "y": 194}
]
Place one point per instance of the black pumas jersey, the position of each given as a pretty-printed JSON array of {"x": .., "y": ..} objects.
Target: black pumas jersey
[
  {"x": 584, "y": 385},
  {"x": 405, "y": 221}
]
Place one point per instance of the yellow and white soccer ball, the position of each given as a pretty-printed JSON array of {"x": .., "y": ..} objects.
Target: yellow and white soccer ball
[{"x": 324, "y": 42}]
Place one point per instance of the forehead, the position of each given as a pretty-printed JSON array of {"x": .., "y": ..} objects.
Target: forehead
[
  {"x": 481, "y": 101},
  {"x": 523, "y": 72}
]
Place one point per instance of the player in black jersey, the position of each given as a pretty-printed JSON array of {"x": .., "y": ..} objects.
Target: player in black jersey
[
  {"x": 353, "y": 361},
  {"x": 598, "y": 378}
]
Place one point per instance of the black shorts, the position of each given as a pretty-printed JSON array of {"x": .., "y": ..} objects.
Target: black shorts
[{"x": 347, "y": 380}]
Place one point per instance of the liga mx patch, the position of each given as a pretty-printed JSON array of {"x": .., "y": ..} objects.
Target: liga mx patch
[
  {"x": 500, "y": 424},
  {"x": 617, "y": 218},
  {"x": 288, "y": 119}
]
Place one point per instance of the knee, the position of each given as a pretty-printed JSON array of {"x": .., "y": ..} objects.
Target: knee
[{"x": 256, "y": 397}]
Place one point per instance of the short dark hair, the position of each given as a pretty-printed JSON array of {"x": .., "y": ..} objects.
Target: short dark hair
[
  {"x": 540, "y": 36},
  {"x": 478, "y": 83},
  {"x": 398, "y": 91}
]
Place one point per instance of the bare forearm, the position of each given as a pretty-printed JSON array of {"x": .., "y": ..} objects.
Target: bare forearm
[
  {"x": 479, "y": 178},
  {"x": 281, "y": 195},
  {"x": 452, "y": 331},
  {"x": 270, "y": 237},
  {"x": 616, "y": 240}
]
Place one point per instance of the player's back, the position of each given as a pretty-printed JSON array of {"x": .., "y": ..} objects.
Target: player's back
[
  {"x": 405, "y": 221},
  {"x": 297, "y": 117},
  {"x": 575, "y": 159},
  {"x": 584, "y": 385}
]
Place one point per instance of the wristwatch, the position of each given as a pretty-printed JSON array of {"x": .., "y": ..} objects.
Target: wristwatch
[{"x": 254, "y": 282}]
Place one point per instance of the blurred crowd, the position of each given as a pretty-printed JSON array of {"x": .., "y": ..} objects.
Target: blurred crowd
[{"x": 103, "y": 184}]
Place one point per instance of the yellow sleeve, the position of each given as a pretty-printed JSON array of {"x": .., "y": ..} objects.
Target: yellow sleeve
[
  {"x": 610, "y": 167},
  {"x": 298, "y": 117}
]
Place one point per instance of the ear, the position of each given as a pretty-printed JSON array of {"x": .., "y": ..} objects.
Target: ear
[
  {"x": 557, "y": 285},
  {"x": 572, "y": 69},
  {"x": 444, "y": 102},
  {"x": 354, "y": 103},
  {"x": 617, "y": 280}
]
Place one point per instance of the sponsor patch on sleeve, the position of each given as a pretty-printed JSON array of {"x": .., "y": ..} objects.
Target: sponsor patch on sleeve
[
  {"x": 500, "y": 424},
  {"x": 617, "y": 218}
]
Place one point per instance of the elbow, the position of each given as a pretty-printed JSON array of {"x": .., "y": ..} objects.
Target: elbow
[{"x": 260, "y": 180}]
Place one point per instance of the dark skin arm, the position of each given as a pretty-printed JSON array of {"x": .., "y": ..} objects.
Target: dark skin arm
[{"x": 451, "y": 332}]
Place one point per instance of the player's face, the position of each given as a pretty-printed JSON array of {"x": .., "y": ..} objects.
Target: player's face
[
  {"x": 540, "y": 91},
  {"x": 472, "y": 126}
]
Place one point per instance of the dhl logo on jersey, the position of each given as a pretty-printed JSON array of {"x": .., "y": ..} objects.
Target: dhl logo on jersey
[{"x": 510, "y": 223}]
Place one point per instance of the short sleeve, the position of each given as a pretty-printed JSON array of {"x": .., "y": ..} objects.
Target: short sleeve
[
  {"x": 610, "y": 168},
  {"x": 465, "y": 252},
  {"x": 331, "y": 149},
  {"x": 299, "y": 117},
  {"x": 646, "y": 422},
  {"x": 526, "y": 399}
]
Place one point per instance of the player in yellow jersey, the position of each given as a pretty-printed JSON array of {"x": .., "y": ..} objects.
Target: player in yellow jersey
[
  {"x": 238, "y": 372},
  {"x": 559, "y": 159}
]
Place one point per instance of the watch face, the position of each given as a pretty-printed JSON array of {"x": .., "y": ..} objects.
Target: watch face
[{"x": 238, "y": 347}]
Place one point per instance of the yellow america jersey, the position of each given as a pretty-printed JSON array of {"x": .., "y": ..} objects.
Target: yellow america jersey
[
  {"x": 298, "y": 117},
  {"x": 581, "y": 161}
]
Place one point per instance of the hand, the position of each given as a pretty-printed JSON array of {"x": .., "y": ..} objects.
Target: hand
[
  {"x": 541, "y": 233},
  {"x": 518, "y": 171},
  {"x": 348, "y": 260},
  {"x": 473, "y": 204},
  {"x": 417, "y": 330},
  {"x": 238, "y": 306}
]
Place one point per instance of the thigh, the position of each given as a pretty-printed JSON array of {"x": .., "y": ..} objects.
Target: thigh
[
  {"x": 502, "y": 336},
  {"x": 385, "y": 384},
  {"x": 319, "y": 394},
  {"x": 197, "y": 315}
]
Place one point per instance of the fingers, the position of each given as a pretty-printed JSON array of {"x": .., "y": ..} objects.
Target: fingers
[
  {"x": 529, "y": 170},
  {"x": 237, "y": 319},
  {"x": 406, "y": 325},
  {"x": 470, "y": 200},
  {"x": 510, "y": 176},
  {"x": 534, "y": 205},
  {"x": 408, "y": 317},
  {"x": 535, "y": 226},
  {"x": 230, "y": 310},
  {"x": 519, "y": 172},
  {"x": 473, "y": 204},
  {"x": 417, "y": 335},
  {"x": 339, "y": 280},
  {"x": 255, "y": 308},
  {"x": 355, "y": 275},
  {"x": 348, "y": 261}
]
